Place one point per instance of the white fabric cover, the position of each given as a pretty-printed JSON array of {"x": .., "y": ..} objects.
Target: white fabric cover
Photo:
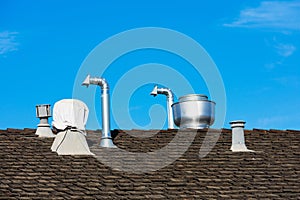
[
  {"x": 74, "y": 113},
  {"x": 70, "y": 112}
]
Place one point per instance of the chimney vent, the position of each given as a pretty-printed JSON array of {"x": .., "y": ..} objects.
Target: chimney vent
[
  {"x": 238, "y": 138},
  {"x": 43, "y": 112}
]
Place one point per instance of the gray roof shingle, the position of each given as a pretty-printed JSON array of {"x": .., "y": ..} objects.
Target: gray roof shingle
[{"x": 29, "y": 170}]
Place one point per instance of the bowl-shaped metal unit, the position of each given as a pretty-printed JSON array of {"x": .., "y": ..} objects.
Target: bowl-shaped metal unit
[{"x": 194, "y": 111}]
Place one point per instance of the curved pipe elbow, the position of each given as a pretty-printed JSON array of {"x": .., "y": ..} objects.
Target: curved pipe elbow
[
  {"x": 95, "y": 81},
  {"x": 166, "y": 91},
  {"x": 100, "y": 81}
]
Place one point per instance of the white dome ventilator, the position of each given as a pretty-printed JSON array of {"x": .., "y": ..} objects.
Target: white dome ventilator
[{"x": 69, "y": 118}]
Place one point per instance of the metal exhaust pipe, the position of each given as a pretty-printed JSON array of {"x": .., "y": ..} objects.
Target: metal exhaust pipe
[
  {"x": 106, "y": 139},
  {"x": 170, "y": 100}
]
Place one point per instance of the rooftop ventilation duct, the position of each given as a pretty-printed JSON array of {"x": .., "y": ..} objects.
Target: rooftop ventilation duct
[
  {"x": 194, "y": 111},
  {"x": 170, "y": 100},
  {"x": 43, "y": 112},
  {"x": 238, "y": 138},
  {"x": 106, "y": 139},
  {"x": 69, "y": 119}
]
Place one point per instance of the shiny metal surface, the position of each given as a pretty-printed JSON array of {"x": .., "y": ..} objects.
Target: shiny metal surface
[
  {"x": 106, "y": 140},
  {"x": 170, "y": 100},
  {"x": 43, "y": 112},
  {"x": 194, "y": 111},
  {"x": 191, "y": 97}
]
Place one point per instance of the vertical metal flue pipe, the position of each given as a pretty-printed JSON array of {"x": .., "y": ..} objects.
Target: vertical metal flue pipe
[
  {"x": 170, "y": 100},
  {"x": 106, "y": 139}
]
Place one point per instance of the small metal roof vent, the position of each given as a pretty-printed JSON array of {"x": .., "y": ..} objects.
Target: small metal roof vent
[
  {"x": 170, "y": 100},
  {"x": 43, "y": 112},
  {"x": 69, "y": 118},
  {"x": 238, "y": 138},
  {"x": 194, "y": 111}
]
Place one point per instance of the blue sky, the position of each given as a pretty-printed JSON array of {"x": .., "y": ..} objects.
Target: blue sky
[{"x": 254, "y": 44}]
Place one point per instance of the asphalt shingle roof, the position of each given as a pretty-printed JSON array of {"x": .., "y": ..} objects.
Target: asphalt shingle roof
[{"x": 29, "y": 170}]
